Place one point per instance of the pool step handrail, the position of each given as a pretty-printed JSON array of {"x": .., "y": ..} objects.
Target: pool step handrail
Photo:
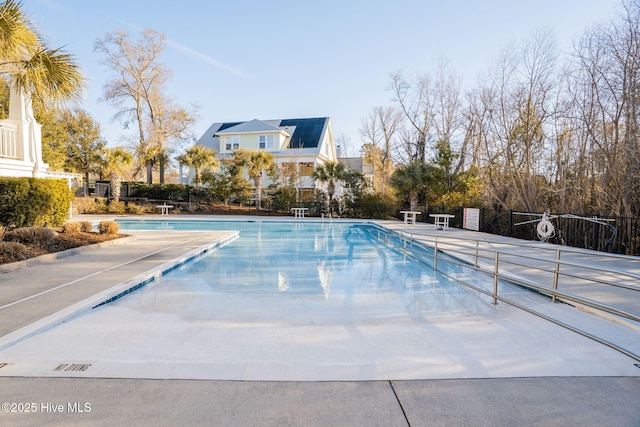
[{"x": 444, "y": 247}]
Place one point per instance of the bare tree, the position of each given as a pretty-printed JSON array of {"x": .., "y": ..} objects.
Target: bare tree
[
  {"x": 448, "y": 120},
  {"x": 412, "y": 97},
  {"x": 517, "y": 110},
  {"x": 378, "y": 131},
  {"x": 343, "y": 142},
  {"x": 138, "y": 93},
  {"x": 607, "y": 86},
  {"x": 431, "y": 110}
]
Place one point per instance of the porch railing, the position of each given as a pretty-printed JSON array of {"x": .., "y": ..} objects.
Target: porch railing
[{"x": 8, "y": 141}]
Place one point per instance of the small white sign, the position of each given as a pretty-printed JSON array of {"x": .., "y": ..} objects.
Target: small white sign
[{"x": 471, "y": 220}]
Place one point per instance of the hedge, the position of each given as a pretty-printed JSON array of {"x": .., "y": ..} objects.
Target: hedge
[{"x": 28, "y": 202}]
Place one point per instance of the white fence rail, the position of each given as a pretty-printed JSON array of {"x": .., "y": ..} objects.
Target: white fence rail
[{"x": 8, "y": 142}]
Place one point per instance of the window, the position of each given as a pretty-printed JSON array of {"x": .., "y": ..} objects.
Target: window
[
  {"x": 266, "y": 142},
  {"x": 306, "y": 168},
  {"x": 231, "y": 143}
]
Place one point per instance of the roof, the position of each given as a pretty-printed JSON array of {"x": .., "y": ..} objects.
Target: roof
[
  {"x": 356, "y": 164},
  {"x": 305, "y": 133},
  {"x": 253, "y": 126},
  {"x": 308, "y": 132}
]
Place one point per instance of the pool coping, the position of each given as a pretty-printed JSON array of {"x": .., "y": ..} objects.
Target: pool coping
[
  {"x": 112, "y": 293},
  {"x": 46, "y": 258}
]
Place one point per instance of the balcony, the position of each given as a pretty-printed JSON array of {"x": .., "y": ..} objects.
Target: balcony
[{"x": 8, "y": 141}]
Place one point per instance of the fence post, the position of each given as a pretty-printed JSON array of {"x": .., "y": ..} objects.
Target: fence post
[
  {"x": 510, "y": 223},
  {"x": 495, "y": 277},
  {"x": 476, "y": 260},
  {"x": 435, "y": 254},
  {"x": 556, "y": 273}
]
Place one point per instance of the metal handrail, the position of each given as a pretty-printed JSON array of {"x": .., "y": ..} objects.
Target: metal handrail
[
  {"x": 543, "y": 289},
  {"x": 555, "y": 261},
  {"x": 530, "y": 245},
  {"x": 552, "y": 292},
  {"x": 557, "y": 272}
]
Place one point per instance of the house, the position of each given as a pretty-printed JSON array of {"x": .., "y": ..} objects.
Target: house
[
  {"x": 358, "y": 164},
  {"x": 21, "y": 142},
  {"x": 297, "y": 145}
]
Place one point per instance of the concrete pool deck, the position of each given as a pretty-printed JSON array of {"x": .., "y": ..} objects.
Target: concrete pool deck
[{"x": 568, "y": 399}]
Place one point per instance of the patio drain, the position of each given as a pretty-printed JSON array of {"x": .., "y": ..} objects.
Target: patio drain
[{"x": 73, "y": 367}]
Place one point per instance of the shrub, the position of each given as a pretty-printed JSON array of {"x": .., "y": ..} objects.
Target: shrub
[
  {"x": 86, "y": 227},
  {"x": 173, "y": 192},
  {"x": 26, "y": 202},
  {"x": 116, "y": 207},
  {"x": 132, "y": 208},
  {"x": 13, "y": 251},
  {"x": 71, "y": 228},
  {"x": 372, "y": 206},
  {"x": 108, "y": 227},
  {"x": 97, "y": 206},
  {"x": 40, "y": 237}
]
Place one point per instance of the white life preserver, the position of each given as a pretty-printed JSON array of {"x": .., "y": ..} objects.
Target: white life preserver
[{"x": 545, "y": 229}]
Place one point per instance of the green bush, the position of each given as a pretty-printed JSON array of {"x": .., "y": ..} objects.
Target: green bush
[
  {"x": 108, "y": 227},
  {"x": 27, "y": 202},
  {"x": 372, "y": 206},
  {"x": 175, "y": 192}
]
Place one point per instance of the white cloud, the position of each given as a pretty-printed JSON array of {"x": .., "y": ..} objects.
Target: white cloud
[{"x": 206, "y": 58}]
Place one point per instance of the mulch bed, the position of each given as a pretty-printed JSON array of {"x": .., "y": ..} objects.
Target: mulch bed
[{"x": 60, "y": 243}]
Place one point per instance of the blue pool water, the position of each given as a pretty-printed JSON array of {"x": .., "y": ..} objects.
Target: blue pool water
[{"x": 303, "y": 259}]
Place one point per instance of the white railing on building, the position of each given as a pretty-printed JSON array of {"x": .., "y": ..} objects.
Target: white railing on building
[{"x": 8, "y": 143}]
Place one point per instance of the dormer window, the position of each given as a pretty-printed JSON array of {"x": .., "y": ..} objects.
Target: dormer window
[{"x": 266, "y": 142}]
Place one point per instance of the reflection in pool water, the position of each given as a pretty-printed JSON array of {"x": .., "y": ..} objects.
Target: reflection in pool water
[{"x": 310, "y": 260}]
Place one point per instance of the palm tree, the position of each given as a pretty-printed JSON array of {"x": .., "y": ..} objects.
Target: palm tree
[
  {"x": 199, "y": 157},
  {"x": 409, "y": 180},
  {"x": 114, "y": 164},
  {"x": 256, "y": 163},
  {"x": 330, "y": 173},
  {"x": 31, "y": 67}
]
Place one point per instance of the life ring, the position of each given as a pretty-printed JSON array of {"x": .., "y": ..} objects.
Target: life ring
[{"x": 545, "y": 229}]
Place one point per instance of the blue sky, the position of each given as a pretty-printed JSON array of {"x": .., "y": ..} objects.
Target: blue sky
[{"x": 246, "y": 59}]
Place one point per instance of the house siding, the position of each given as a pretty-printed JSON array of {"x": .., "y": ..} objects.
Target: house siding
[{"x": 310, "y": 141}]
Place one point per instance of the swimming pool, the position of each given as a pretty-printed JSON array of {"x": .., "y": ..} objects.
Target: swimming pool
[
  {"x": 311, "y": 260},
  {"x": 307, "y": 301}
]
